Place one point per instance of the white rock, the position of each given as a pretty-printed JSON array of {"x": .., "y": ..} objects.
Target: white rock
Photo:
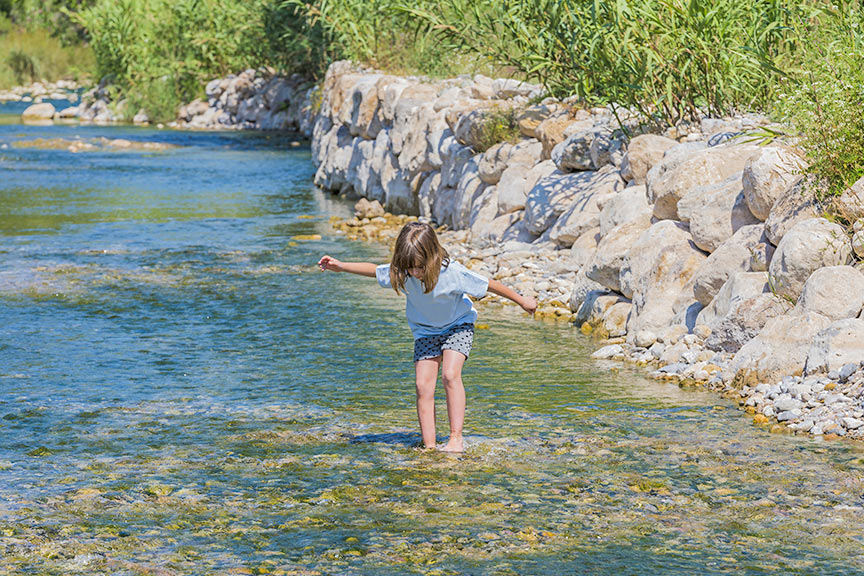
[
  {"x": 674, "y": 177},
  {"x": 44, "y": 111},
  {"x": 608, "y": 352},
  {"x": 586, "y": 204},
  {"x": 732, "y": 256},
  {"x": 834, "y": 291},
  {"x": 629, "y": 204},
  {"x": 605, "y": 265},
  {"x": 838, "y": 344},
  {"x": 715, "y": 212},
  {"x": 809, "y": 245},
  {"x": 643, "y": 152},
  {"x": 768, "y": 176},
  {"x": 795, "y": 206}
]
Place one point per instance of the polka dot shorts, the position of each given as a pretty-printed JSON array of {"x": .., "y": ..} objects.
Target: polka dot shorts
[{"x": 458, "y": 338}]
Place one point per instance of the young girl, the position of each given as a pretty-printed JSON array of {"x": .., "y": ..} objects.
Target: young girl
[{"x": 440, "y": 315}]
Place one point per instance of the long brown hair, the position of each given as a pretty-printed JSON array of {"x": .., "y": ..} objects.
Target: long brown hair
[{"x": 417, "y": 247}]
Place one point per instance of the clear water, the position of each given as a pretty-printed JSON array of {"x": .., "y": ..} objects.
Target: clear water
[{"x": 182, "y": 392}]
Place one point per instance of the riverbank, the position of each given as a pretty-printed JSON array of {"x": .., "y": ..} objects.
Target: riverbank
[{"x": 700, "y": 252}]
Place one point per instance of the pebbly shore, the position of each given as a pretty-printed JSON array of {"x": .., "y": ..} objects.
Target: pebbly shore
[{"x": 702, "y": 253}]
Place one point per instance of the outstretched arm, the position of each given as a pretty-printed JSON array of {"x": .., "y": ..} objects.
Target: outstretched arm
[
  {"x": 526, "y": 302},
  {"x": 361, "y": 268}
]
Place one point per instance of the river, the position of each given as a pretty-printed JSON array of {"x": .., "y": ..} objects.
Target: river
[{"x": 183, "y": 392}]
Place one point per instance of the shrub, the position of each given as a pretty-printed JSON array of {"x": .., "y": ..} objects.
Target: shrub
[
  {"x": 824, "y": 95},
  {"x": 499, "y": 125}
]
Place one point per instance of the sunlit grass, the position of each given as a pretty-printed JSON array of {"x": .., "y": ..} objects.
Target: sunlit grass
[{"x": 30, "y": 55}]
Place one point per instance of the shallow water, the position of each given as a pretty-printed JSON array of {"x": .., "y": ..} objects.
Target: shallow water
[{"x": 182, "y": 392}]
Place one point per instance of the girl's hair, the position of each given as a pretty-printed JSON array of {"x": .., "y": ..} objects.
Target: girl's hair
[{"x": 417, "y": 247}]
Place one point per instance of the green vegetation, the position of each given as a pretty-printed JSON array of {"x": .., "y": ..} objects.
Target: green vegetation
[
  {"x": 498, "y": 126},
  {"x": 667, "y": 60},
  {"x": 30, "y": 50},
  {"x": 824, "y": 93}
]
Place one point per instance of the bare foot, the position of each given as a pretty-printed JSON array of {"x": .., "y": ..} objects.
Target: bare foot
[{"x": 454, "y": 444}]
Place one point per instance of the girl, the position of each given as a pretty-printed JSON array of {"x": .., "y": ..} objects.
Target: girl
[{"x": 440, "y": 315}]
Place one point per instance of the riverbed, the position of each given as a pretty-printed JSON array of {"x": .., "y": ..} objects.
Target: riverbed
[{"x": 183, "y": 392}]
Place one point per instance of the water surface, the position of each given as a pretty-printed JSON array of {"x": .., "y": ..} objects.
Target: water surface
[{"x": 182, "y": 392}]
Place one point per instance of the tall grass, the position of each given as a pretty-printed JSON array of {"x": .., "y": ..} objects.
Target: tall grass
[
  {"x": 667, "y": 59},
  {"x": 161, "y": 52},
  {"x": 823, "y": 94},
  {"x": 30, "y": 55}
]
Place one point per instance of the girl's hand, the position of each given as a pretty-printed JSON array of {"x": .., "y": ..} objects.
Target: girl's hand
[
  {"x": 330, "y": 263},
  {"x": 529, "y": 304}
]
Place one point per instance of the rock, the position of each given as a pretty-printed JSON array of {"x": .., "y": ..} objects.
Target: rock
[
  {"x": 850, "y": 204},
  {"x": 795, "y": 206},
  {"x": 732, "y": 256},
  {"x": 787, "y": 403},
  {"x": 715, "y": 212},
  {"x": 582, "y": 290},
  {"x": 852, "y": 423},
  {"x": 858, "y": 244},
  {"x": 629, "y": 204},
  {"x": 594, "y": 308},
  {"x": 606, "y": 149},
  {"x": 847, "y": 370},
  {"x": 837, "y": 344},
  {"x": 505, "y": 88},
  {"x": 141, "y": 117},
  {"x": 615, "y": 319},
  {"x": 674, "y": 177},
  {"x": 583, "y": 249},
  {"x": 511, "y": 188},
  {"x": 366, "y": 209},
  {"x": 645, "y": 339},
  {"x": 586, "y": 204},
  {"x": 780, "y": 348},
  {"x": 553, "y": 195},
  {"x": 809, "y": 245},
  {"x": 558, "y": 128},
  {"x": 574, "y": 153},
  {"x": 483, "y": 211},
  {"x": 499, "y": 226},
  {"x": 43, "y": 111},
  {"x": 493, "y": 162},
  {"x": 607, "y": 352},
  {"x": 836, "y": 292},
  {"x": 68, "y": 113},
  {"x": 738, "y": 287},
  {"x": 656, "y": 268},
  {"x": 531, "y": 118},
  {"x": 605, "y": 265},
  {"x": 768, "y": 176},
  {"x": 643, "y": 152}
]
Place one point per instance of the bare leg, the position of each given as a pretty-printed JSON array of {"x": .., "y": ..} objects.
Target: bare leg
[
  {"x": 426, "y": 372},
  {"x": 451, "y": 375}
]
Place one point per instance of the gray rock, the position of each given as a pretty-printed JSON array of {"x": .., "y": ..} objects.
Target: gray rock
[
  {"x": 608, "y": 352},
  {"x": 786, "y": 403},
  {"x": 674, "y": 177},
  {"x": 715, "y": 212},
  {"x": 629, "y": 204},
  {"x": 582, "y": 290},
  {"x": 795, "y": 206},
  {"x": 834, "y": 291},
  {"x": 840, "y": 343},
  {"x": 768, "y": 176},
  {"x": 43, "y": 111},
  {"x": 605, "y": 265},
  {"x": 586, "y": 204},
  {"x": 643, "y": 152},
  {"x": 574, "y": 153},
  {"x": 852, "y": 423},
  {"x": 732, "y": 256},
  {"x": 809, "y": 245}
]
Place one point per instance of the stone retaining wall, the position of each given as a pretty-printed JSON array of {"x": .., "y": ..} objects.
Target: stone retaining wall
[{"x": 699, "y": 251}]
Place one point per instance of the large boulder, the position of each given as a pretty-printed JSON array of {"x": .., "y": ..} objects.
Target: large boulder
[
  {"x": 674, "y": 177},
  {"x": 836, "y": 345},
  {"x": 605, "y": 266},
  {"x": 715, "y": 212},
  {"x": 629, "y": 204},
  {"x": 659, "y": 264},
  {"x": 586, "y": 204},
  {"x": 768, "y": 176},
  {"x": 836, "y": 292},
  {"x": 584, "y": 289},
  {"x": 469, "y": 189},
  {"x": 583, "y": 249},
  {"x": 808, "y": 246},
  {"x": 493, "y": 162},
  {"x": 780, "y": 349},
  {"x": 454, "y": 158},
  {"x": 738, "y": 287},
  {"x": 484, "y": 209},
  {"x": 850, "y": 204},
  {"x": 732, "y": 256},
  {"x": 41, "y": 111},
  {"x": 364, "y": 103},
  {"x": 607, "y": 148},
  {"x": 744, "y": 320},
  {"x": 557, "y": 128},
  {"x": 551, "y": 196},
  {"x": 531, "y": 118},
  {"x": 795, "y": 206},
  {"x": 574, "y": 153},
  {"x": 643, "y": 152}
]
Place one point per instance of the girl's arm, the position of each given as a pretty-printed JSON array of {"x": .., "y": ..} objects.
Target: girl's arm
[
  {"x": 361, "y": 268},
  {"x": 526, "y": 302}
]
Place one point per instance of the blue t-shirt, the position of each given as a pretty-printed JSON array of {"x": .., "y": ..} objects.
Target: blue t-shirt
[{"x": 446, "y": 305}]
